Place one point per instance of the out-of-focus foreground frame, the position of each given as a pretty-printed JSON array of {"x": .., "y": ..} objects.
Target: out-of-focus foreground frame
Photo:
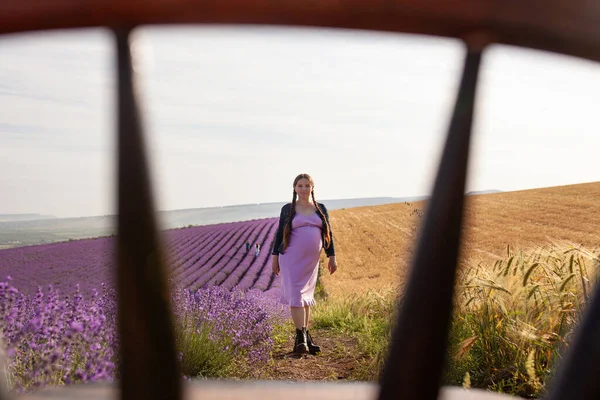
[{"x": 148, "y": 367}]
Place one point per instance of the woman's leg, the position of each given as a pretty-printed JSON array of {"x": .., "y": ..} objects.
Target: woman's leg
[
  {"x": 298, "y": 316},
  {"x": 300, "y": 345},
  {"x": 306, "y": 316},
  {"x": 313, "y": 348}
]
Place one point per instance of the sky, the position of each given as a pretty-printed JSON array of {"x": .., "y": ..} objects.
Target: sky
[{"x": 233, "y": 114}]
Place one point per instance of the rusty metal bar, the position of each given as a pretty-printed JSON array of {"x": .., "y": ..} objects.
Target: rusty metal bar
[
  {"x": 148, "y": 365},
  {"x": 415, "y": 360},
  {"x": 564, "y": 26},
  {"x": 578, "y": 376}
]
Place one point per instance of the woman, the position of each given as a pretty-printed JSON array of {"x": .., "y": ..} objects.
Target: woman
[{"x": 303, "y": 231}]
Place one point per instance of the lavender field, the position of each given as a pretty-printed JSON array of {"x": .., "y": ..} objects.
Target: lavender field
[
  {"x": 58, "y": 305},
  {"x": 210, "y": 255}
]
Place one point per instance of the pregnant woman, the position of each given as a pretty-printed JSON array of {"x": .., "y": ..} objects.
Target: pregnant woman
[{"x": 304, "y": 230}]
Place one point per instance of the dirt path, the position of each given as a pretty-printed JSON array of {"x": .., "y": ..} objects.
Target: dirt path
[{"x": 337, "y": 361}]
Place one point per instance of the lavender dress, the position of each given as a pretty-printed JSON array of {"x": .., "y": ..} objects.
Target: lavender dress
[{"x": 299, "y": 262}]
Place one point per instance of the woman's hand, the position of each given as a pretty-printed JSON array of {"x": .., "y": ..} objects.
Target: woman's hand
[
  {"x": 332, "y": 266},
  {"x": 275, "y": 265}
]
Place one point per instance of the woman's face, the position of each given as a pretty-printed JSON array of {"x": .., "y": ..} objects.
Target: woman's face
[{"x": 303, "y": 188}]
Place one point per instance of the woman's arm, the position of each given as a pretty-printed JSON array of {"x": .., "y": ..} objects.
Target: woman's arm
[
  {"x": 275, "y": 264},
  {"x": 279, "y": 233},
  {"x": 330, "y": 251}
]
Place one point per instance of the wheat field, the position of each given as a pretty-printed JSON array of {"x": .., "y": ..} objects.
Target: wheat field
[{"x": 374, "y": 244}]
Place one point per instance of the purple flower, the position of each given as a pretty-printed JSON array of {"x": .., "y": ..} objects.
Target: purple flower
[
  {"x": 76, "y": 326},
  {"x": 74, "y": 330},
  {"x": 35, "y": 324}
]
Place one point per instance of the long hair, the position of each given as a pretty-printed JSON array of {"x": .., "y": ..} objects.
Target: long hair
[{"x": 287, "y": 231}]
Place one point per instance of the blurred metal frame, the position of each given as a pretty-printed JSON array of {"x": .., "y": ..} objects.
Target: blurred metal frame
[
  {"x": 567, "y": 27},
  {"x": 148, "y": 368}
]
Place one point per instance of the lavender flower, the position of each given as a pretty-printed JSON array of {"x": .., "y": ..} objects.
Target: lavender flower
[
  {"x": 57, "y": 337},
  {"x": 53, "y": 344},
  {"x": 70, "y": 339}
]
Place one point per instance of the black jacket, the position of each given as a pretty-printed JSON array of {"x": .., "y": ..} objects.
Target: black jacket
[{"x": 283, "y": 217}]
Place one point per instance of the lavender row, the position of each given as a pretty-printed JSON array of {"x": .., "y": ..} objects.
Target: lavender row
[
  {"x": 183, "y": 256},
  {"x": 89, "y": 263},
  {"x": 235, "y": 276},
  {"x": 197, "y": 256},
  {"x": 192, "y": 255},
  {"x": 181, "y": 242},
  {"x": 259, "y": 263},
  {"x": 204, "y": 257},
  {"x": 214, "y": 256},
  {"x": 234, "y": 245},
  {"x": 242, "y": 255}
]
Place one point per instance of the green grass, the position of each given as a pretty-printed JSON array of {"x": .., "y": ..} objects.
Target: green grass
[
  {"x": 511, "y": 322},
  {"x": 202, "y": 356},
  {"x": 206, "y": 355},
  {"x": 367, "y": 318}
]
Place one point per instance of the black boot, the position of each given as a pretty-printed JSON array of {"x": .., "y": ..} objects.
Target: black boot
[
  {"x": 313, "y": 348},
  {"x": 300, "y": 346}
]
